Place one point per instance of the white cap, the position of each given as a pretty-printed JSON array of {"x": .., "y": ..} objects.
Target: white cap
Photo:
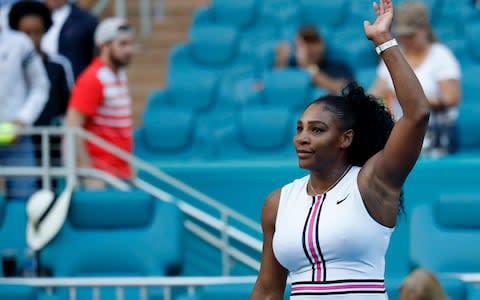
[{"x": 110, "y": 29}]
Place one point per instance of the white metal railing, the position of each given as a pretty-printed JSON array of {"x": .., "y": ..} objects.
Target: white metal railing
[
  {"x": 145, "y": 9},
  {"x": 221, "y": 224},
  {"x": 143, "y": 283}
]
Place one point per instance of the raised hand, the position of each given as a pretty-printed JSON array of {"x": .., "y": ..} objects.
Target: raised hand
[{"x": 379, "y": 31}]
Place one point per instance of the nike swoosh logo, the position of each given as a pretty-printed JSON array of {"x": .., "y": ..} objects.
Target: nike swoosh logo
[{"x": 340, "y": 201}]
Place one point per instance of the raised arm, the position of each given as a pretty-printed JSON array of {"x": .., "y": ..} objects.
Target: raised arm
[
  {"x": 383, "y": 176},
  {"x": 272, "y": 278}
]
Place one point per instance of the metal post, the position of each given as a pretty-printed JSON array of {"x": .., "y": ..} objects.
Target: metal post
[
  {"x": 72, "y": 295},
  {"x": 159, "y": 10},
  {"x": 71, "y": 155},
  {"x": 120, "y": 8},
  {"x": 119, "y": 295},
  {"x": 145, "y": 18},
  {"x": 167, "y": 293},
  {"x": 45, "y": 159},
  {"x": 96, "y": 293},
  {"x": 143, "y": 293},
  {"x": 225, "y": 255}
]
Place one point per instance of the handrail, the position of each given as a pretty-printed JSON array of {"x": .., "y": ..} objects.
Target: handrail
[
  {"x": 220, "y": 224},
  {"x": 127, "y": 281}
]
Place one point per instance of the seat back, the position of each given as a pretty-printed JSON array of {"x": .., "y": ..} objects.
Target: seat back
[
  {"x": 13, "y": 222},
  {"x": 445, "y": 236},
  {"x": 236, "y": 12},
  {"x": 289, "y": 88},
  {"x": 213, "y": 44},
  {"x": 113, "y": 233}
]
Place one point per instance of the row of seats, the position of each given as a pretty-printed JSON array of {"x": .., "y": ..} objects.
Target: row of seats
[
  {"x": 262, "y": 23},
  {"x": 108, "y": 233},
  {"x": 265, "y": 132}
]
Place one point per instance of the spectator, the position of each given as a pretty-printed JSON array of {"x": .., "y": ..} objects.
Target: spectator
[
  {"x": 438, "y": 71},
  {"x": 24, "y": 90},
  {"x": 71, "y": 34},
  {"x": 100, "y": 101},
  {"x": 421, "y": 285},
  {"x": 34, "y": 19},
  {"x": 310, "y": 55}
]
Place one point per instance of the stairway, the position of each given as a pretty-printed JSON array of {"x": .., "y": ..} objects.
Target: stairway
[{"x": 148, "y": 69}]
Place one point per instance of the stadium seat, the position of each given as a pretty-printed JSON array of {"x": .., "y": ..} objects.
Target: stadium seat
[
  {"x": 18, "y": 292},
  {"x": 324, "y": 14},
  {"x": 258, "y": 132},
  {"x": 187, "y": 91},
  {"x": 468, "y": 122},
  {"x": 12, "y": 230},
  {"x": 239, "y": 13},
  {"x": 288, "y": 87},
  {"x": 472, "y": 34},
  {"x": 450, "y": 228},
  {"x": 168, "y": 133},
  {"x": 113, "y": 233}
]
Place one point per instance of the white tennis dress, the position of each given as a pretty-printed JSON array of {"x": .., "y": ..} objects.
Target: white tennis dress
[{"x": 330, "y": 244}]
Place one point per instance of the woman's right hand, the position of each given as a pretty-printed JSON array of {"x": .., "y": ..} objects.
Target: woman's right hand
[{"x": 379, "y": 31}]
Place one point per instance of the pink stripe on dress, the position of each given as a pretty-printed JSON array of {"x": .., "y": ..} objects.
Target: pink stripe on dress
[{"x": 311, "y": 241}]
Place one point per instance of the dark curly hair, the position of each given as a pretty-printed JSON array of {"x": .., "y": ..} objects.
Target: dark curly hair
[
  {"x": 29, "y": 8},
  {"x": 370, "y": 121}
]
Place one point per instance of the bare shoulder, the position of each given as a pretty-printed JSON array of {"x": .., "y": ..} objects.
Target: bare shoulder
[{"x": 270, "y": 208}]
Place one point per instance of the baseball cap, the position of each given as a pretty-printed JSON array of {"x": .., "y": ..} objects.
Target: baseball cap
[
  {"x": 410, "y": 17},
  {"x": 112, "y": 28}
]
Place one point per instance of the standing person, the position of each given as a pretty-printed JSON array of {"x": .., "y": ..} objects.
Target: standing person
[
  {"x": 71, "y": 34},
  {"x": 24, "y": 90},
  {"x": 331, "y": 229},
  {"x": 100, "y": 101},
  {"x": 34, "y": 19},
  {"x": 437, "y": 70},
  {"x": 310, "y": 54}
]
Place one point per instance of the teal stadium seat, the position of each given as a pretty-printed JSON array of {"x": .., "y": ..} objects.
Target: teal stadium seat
[
  {"x": 257, "y": 32},
  {"x": 468, "y": 122},
  {"x": 259, "y": 133},
  {"x": 472, "y": 34},
  {"x": 450, "y": 228},
  {"x": 113, "y": 233},
  {"x": 326, "y": 15},
  {"x": 169, "y": 134},
  {"x": 18, "y": 292},
  {"x": 13, "y": 222},
  {"x": 288, "y": 87}
]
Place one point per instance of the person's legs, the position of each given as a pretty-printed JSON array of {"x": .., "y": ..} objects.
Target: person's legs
[{"x": 20, "y": 154}]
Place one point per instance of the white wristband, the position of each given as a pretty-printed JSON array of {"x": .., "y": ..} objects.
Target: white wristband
[{"x": 386, "y": 45}]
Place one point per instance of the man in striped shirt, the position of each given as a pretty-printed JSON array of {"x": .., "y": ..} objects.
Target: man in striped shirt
[{"x": 101, "y": 104}]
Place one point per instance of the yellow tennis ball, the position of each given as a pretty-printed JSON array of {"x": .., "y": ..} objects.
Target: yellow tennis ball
[{"x": 7, "y": 133}]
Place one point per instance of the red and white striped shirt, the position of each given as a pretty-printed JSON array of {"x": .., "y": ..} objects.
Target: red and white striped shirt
[{"x": 102, "y": 95}]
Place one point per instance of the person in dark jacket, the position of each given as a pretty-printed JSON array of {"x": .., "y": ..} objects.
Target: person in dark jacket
[{"x": 71, "y": 34}]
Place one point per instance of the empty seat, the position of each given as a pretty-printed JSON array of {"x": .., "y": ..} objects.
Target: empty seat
[
  {"x": 18, "y": 292},
  {"x": 113, "y": 233},
  {"x": 288, "y": 87},
  {"x": 12, "y": 230},
  {"x": 450, "y": 228},
  {"x": 168, "y": 133},
  {"x": 468, "y": 122},
  {"x": 265, "y": 129},
  {"x": 325, "y": 14},
  {"x": 472, "y": 34}
]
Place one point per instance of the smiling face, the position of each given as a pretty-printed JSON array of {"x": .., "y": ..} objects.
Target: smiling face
[{"x": 321, "y": 138}]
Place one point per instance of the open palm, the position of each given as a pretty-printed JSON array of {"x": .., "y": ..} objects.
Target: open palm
[{"x": 383, "y": 21}]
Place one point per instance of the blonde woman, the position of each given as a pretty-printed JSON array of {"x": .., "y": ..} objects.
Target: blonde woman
[
  {"x": 421, "y": 284},
  {"x": 437, "y": 70}
]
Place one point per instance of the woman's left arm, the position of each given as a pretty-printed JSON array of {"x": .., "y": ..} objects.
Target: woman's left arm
[{"x": 450, "y": 93}]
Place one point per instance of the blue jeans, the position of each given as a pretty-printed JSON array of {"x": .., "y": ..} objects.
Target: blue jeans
[{"x": 20, "y": 154}]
